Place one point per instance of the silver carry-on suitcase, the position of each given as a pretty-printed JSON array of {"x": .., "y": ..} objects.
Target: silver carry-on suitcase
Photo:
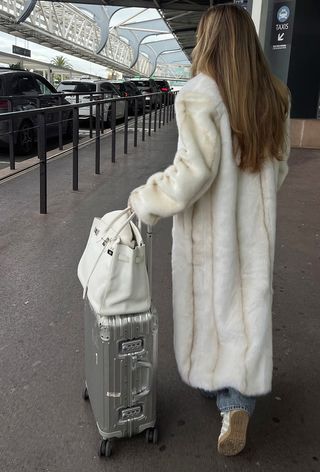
[{"x": 121, "y": 365}]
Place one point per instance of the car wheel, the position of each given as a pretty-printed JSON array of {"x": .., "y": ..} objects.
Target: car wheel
[{"x": 25, "y": 139}]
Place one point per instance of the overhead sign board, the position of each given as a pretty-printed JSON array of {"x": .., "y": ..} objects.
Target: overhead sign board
[
  {"x": 21, "y": 51},
  {"x": 282, "y": 25}
]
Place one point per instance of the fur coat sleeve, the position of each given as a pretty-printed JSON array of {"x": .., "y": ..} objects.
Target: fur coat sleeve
[
  {"x": 194, "y": 167},
  {"x": 283, "y": 165}
]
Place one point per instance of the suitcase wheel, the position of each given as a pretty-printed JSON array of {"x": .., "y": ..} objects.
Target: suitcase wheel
[
  {"x": 152, "y": 435},
  {"x": 105, "y": 449},
  {"x": 85, "y": 394}
]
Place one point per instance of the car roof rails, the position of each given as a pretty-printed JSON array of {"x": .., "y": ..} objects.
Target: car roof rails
[{"x": 13, "y": 69}]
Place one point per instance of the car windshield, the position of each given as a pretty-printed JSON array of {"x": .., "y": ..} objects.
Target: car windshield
[
  {"x": 108, "y": 88},
  {"x": 162, "y": 83},
  {"x": 76, "y": 87},
  {"x": 130, "y": 85},
  {"x": 141, "y": 83}
]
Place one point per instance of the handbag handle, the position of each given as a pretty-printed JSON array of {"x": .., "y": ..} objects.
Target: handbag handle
[
  {"x": 133, "y": 214},
  {"x": 116, "y": 218},
  {"x": 123, "y": 212},
  {"x": 115, "y": 238},
  {"x": 124, "y": 224}
]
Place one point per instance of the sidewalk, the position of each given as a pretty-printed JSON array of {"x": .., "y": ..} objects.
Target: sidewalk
[{"x": 44, "y": 423}]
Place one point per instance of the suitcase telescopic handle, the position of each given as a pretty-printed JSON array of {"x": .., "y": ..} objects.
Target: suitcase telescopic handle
[
  {"x": 149, "y": 255},
  {"x": 147, "y": 390}
]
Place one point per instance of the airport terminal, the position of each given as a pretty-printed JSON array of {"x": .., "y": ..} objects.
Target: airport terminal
[{"x": 89, "y": 107}]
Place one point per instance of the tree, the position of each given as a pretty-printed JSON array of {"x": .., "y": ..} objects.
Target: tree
[{"x": 60, "y": 61}]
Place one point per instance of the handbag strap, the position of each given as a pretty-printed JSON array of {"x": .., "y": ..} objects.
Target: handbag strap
[{"x": 85, "y": 288}]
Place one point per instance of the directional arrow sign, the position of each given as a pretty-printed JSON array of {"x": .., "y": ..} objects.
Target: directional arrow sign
[{"x": 282, "y": 24}]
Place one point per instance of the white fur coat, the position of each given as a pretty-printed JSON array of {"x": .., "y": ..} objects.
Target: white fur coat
[{"x": 223, "y": 247}]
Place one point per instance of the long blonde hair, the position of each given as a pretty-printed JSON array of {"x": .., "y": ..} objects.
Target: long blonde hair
[{"x": 229, "y": 51}]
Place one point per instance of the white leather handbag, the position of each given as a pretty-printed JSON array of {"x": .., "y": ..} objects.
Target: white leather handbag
[{"x": 112, "y": 269}]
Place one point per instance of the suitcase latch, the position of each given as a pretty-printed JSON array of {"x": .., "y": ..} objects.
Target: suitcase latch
[
  {"x": 131, "y": 347},
  {"x": 130, "y": 413}
]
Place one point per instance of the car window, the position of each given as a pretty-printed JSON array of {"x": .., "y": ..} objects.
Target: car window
[
  {"x": 76, "y": 87},
  {"x": 1, "y": 90},
  {"x": 130, "y": 86},
  {"x": 109, "y": 88},
  {"x": 86, "y": 87},
  {"x": 45, "y": 88},
  {"x": 123, "y": 89},
  {"x": 23, "y": 85},
  {"x": 117, "y": 86},
  {"x": 162, "y": 83}
]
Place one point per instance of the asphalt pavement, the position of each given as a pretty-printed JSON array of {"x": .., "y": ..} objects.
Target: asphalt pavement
[{"x": 44, "y": 423}]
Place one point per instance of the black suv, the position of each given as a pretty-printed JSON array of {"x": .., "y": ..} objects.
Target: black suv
[
  {"x": 163, "y": 85},
  {"x": 147, "y": 86},
  {"x": 28, "y": 91},
  {"x": 129, "y": 89}
]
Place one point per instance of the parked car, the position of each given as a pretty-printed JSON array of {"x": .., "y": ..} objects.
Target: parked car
[
  {"x": 129, "y": 89},
  {"x": 147, "y": 86},
  {"x": 28, "y": 91},
  {"x": 163, "y": 85},
  {"x": 84, "y": 86},
  {"x": 176, "y": 85}
]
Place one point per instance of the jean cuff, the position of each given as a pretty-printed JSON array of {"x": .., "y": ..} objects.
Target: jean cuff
[{"x": 235, "y": 407}]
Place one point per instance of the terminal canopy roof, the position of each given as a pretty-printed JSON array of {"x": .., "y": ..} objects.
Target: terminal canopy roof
[{"x": 182, "y": 16}]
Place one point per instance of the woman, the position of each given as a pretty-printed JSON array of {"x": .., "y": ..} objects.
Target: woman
[{"x": 233, "y": 119}]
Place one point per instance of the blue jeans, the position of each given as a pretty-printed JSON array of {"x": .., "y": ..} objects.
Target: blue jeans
[{"x": 230, "y": 399}]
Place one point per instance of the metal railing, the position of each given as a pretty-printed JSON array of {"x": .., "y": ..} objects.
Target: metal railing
[{"x": 159, "y": 112}]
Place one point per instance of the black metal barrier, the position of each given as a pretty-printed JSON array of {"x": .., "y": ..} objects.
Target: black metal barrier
[{"x": 65, "y": 118}]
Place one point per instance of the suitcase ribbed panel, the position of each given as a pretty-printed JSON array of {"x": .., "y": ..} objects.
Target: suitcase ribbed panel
[{"x": 121, "y": 366}]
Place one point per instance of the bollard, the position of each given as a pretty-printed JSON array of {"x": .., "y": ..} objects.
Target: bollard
[
  {"x": 11, "y": 139},
  {"x": 60, "y": 125},
  {"x": 160, "y": 111},
  {"x": 113, "y": 126},
  {"x": 150, "y": 118},
  {"x": 75, "y": 154},
  {"x": 98, "y": 147},
  {"x": 167, "y": 105},
  {"x": 172, "y": 108},
  {"x": 42, "y": 154},
  {"x": 143, "y": 119},
  {"x": 135, "y": 141},
  {"x": 91, "y": 117},
  {"x": 155, "y": 111},
  {"x": 126, "y": 113},
  {"x": 164, "y": 110},
  {"x": 102, "y": 113}
]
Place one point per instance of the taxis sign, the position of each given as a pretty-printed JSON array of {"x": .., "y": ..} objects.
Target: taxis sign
[{"x": 282, "y": 25}]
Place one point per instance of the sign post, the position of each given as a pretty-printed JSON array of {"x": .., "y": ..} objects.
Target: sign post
[
  {"x": 282, "y": 25},
  {"x": 278, "y": 37}
]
